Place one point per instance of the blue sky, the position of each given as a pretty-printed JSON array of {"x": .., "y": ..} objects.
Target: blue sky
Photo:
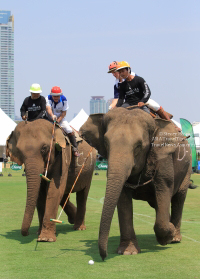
[{"x": 71, "y": 43}]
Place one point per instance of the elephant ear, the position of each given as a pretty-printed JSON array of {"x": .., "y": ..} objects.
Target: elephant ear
[
  {"x": 59, "y": 138},
  {"x": 93, "y": 131},
  {"x": 11, "y": 149},
  {"x": 164, "y": 142},
  {"x": 166, "y": 139}
]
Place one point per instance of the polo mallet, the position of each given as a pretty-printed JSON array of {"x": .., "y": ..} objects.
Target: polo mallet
[
  {"x": 26, "y": 114},
  {"x": 136, "y": 106},
  {"x": 45, "y": 176},
  {"x": 57, "y": 220}
]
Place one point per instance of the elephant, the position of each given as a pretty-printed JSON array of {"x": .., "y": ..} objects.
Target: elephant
[
  {"x": 29, "y": 144},
  {"x": 149, "y": 160}
]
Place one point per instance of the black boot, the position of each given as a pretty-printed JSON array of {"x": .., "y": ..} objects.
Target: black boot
[{"x": 74, "y": 144}]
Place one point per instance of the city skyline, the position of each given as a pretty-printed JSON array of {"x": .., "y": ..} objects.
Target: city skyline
[
  {"x": 71, "y": 45},
  {"x": 7, "y": 103}
]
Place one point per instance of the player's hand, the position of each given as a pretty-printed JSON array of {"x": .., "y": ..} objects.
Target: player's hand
[
  {"x": 54, "y": 117},
  {"x": 140, "y": 104}
]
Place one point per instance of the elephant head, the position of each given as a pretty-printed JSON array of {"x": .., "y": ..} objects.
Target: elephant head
[
  {"x": 29, "y": 144},
  {"x": 125, "y": 138}
]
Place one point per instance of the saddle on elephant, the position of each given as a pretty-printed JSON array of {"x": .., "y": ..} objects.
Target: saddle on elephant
[
  {"x": 161, "y": 113},
  {"x": 78, "y": 139}
]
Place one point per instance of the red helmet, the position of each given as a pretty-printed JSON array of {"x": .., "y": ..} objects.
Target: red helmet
[
  {"x": 56, "y": 91},
  {"x": 112, "y": 67}
]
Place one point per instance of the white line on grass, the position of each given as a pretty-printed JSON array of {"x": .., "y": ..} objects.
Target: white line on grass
[
  {"x": 190, "y": 238},
  {"x": 194, "y": 240}
]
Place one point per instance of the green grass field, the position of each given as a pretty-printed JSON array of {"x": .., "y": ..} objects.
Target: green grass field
[{"x": 22, "y": 257}]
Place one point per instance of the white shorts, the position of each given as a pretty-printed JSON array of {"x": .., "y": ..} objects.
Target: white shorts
[
  {"x": 65, "y": 125},
  {"x": 153, "y": 105}
]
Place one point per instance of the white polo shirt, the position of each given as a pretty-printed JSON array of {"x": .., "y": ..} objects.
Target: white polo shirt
[{"x": 57, "y": 108}]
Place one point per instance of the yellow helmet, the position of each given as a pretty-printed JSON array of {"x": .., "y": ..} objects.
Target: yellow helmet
[{"x": 122, "y": 65}]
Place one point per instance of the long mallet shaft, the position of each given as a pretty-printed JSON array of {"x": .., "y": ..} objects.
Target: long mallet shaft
[
  {"x": 57, "y": 220},
  {"x": 52, "y": 138},
  {"x": 136, "y": 106}
]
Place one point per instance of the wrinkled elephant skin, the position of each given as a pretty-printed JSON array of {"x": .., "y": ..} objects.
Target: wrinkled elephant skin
[
  {"x": 29, "y": 144},
  {"x": 145, "y": 152}
]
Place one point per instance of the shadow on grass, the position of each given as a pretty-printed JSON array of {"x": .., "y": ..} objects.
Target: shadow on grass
[
  {"x": 147, "y": 243},
  {"x": 16, "y": 234}
]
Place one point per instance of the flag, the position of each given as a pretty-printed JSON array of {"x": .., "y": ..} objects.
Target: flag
[{"x": 187, "y": 130}]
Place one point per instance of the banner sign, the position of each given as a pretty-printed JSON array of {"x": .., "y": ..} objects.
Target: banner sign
[
  {"x": 102, "y": 165},
  {"x": 15, "y": 167}
]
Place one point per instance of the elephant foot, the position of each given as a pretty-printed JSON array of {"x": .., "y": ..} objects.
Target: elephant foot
[
  {"x": 24, "y": 233},
  {"x": 80, "y": 228},
  {"x": 46, "y": 237},
  {"x": 177, "y": 238},
  {"x": 128, "y": 248},
  {"x": 165, "y": 237}
]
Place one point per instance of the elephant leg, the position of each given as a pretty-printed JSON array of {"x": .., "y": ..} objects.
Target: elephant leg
[
  {"x": 69, "y": 209},
  {"x": 177, "y": 204},
  {"x": 164, "y": 185},
  {"x": 55, "y": 192},
  {"x": 41, "y": 203},
  {"x": 81, "y": 199},
  {"x": 128, "y": 242},
  {"x": 176, "y": 214}
]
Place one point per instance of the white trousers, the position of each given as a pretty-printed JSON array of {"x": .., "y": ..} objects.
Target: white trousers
[
  {"x": 153, "y": 105},
  {"x": 65, "y": 125}
]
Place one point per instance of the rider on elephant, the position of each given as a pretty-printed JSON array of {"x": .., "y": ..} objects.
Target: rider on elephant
[
  {"x": 34, "y": 106},
  {"x": 113, "y": 68},
  {"x": 57, "y": 106}
]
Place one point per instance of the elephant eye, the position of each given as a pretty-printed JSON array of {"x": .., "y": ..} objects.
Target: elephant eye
[
  {"x": 138, "y": 149},
  {"x": 44, "y": 149}
]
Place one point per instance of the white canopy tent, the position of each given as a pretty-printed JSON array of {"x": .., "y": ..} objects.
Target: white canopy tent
[
  {"x": 7, "y": 125},
  {"x": 177, "y": 123},
  {"x": 196, "y": 130},
  {"x": 79, "y": 120}
]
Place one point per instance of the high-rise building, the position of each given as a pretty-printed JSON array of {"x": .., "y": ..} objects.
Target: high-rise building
[
  {"x": 97, "y": 104},
  {"x": 7, "y": 63},
  {"x": 109, "y": 102}
]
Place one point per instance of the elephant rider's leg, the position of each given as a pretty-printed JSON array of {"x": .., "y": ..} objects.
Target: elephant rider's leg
[
  {"x": 165, "y": 115},
  {"x": 66, "y": 127},
  {"x": 72, "y": 139},
  {"x": 159, "y": 110}
]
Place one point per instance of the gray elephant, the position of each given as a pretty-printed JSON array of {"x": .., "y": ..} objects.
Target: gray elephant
[
  {"x": 147, "y": 160},
  {"x": 29, "y": 144}
]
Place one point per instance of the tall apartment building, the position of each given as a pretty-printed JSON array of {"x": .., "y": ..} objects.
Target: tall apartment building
[
  {"x": 97, "y": 104},
  {"x": 7, "y": 63}
]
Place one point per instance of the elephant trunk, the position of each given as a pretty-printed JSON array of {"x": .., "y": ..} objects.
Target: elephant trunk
[
  {"x": 118, "y": 173},
  {"x": 33, "y": 170}
]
